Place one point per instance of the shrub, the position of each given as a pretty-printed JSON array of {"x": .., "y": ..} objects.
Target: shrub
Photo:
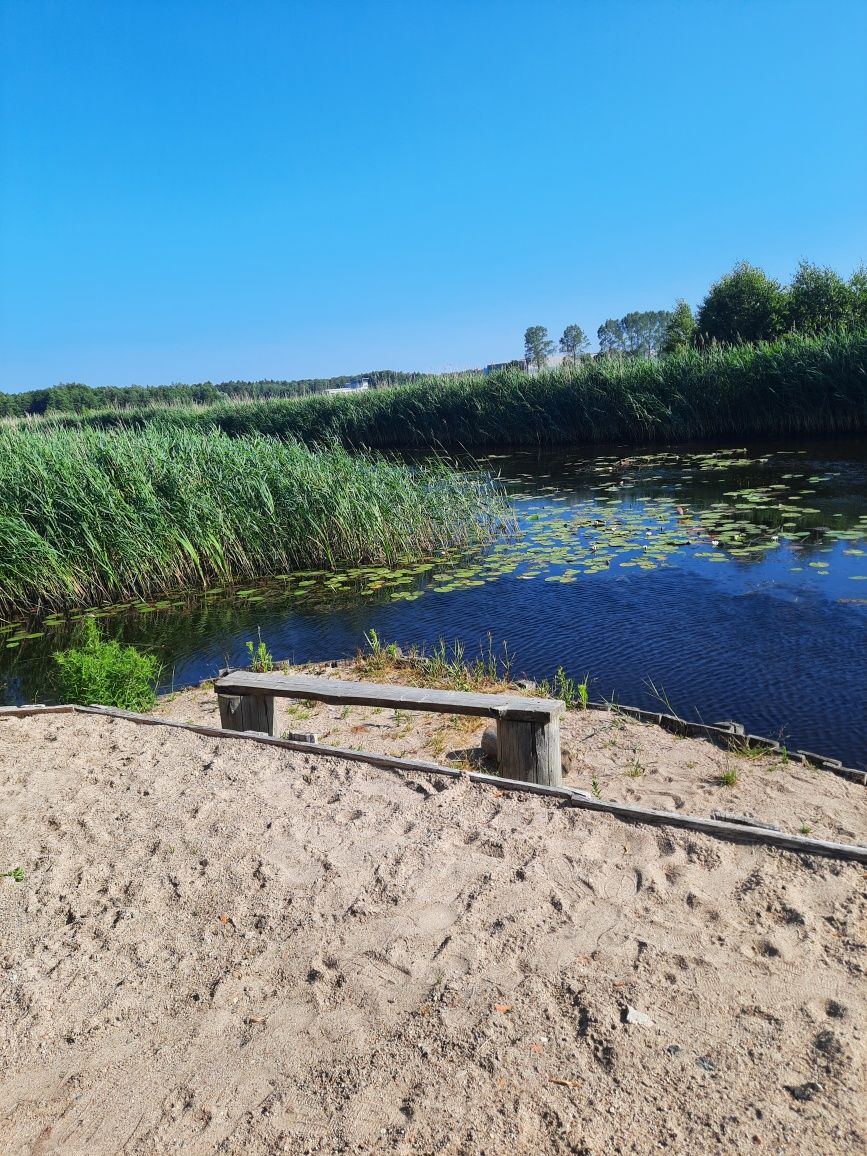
[
  {"x": 744, "y": 306},
  {"x": 107, "y": 673}
]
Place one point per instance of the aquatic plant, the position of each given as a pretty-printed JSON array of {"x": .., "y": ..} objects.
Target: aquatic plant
[
  {"x": 106, "y": 673},
  {"x": 88, "y": 516}
]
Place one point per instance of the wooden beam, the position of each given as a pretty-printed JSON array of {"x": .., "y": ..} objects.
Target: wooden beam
[
  {"x": 247, "y": 712},
  {"x": 530, "y": 750},
  {"x": 34, "y": 708},
  {"x": 333, "y": 690}
]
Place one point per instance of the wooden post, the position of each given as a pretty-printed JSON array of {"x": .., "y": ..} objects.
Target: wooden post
[
  {"x": 530, "y": 751},
  {"x": 247, "y": 712}
]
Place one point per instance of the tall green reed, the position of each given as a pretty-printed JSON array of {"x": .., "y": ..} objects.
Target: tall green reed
[
  {"x": 88, "y": 516},
  {"x": 797, "y": 385}
]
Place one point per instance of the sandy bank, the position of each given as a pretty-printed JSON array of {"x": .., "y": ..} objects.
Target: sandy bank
[
  {"x": 626, "y": 761},
  {"x": 223, "y": 947}
]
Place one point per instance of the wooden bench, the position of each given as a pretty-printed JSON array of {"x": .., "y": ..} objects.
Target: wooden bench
[{"x": 528, "y": 729}]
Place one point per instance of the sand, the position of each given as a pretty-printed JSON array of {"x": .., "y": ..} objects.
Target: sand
[
  {"x": 224, "y": 947},
  {"x": 626, "y": 761}
]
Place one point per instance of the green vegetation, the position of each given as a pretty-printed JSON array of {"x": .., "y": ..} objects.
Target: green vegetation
[
  {"x": 107, "y": 673},
  {"x": 91, "y": 517},
  {"x": 537, "y": 346},
  {"x": 748, "y": 306},
  {"x": 729, "y": 777},
  {"x": 680, "y": 333},
  {"x": 73, "y": 397},
  {"x": 574, "y": 342},
  {"x": 638, "y": 334},
  {"x": 17, "y": 873},
  {"x": 565, "y": 688},
  {"x": 261, "y": 658},
  {"x": 446, "y": 667},
  {"x": 796, "y": 385}
]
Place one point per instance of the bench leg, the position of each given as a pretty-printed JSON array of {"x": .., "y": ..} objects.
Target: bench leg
[
  {"x": 529, "y": 751},
  {"x": 247, "y": 712}
]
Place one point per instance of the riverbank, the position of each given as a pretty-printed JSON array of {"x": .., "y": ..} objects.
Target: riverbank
[
  {"x": 609, "y": 753},
  {"x": 91, "y": 518},
  {"x": 261, "y": 950},
  {"x": 798, "y": 385}
]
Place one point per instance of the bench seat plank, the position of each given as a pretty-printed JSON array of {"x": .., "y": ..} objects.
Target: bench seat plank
[{"x": 333, "y": 690}]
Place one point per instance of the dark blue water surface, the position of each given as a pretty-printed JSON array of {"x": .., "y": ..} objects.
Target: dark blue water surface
[{"x": 731, "y": 582}]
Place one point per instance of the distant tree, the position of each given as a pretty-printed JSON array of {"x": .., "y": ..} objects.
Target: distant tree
[
  {"x": 537, "y": 347},
  {"x": 746, "y": 305},
  {"x": 639, "y": 334},
  {"x": 680, "y": 331},
  {"x": 611, "y": 337},
  {"x": 573, "y": 342},
  {"x": 645, "y": 331},
  {"x": 818, "y": 300}
]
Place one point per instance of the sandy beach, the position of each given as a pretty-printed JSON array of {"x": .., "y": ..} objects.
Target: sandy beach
[{"x": 224, "y": 947}]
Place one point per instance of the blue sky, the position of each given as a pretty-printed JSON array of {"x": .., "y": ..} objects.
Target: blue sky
[{"x": 219, "y": 190}]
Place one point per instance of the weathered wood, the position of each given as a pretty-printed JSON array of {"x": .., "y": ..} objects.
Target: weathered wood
[
  {"x": 530, "y": 750},
  {"x": 34, "y": 708},
  {"x": 729, "y": 831},
  {"x": 247, "y": 712},
  {"x": 333, "y": 690}
]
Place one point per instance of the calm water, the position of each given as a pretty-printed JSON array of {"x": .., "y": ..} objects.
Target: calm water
[{"x": 731, "y": 582}]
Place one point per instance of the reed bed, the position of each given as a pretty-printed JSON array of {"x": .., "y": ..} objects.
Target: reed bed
[
  {"x": 798, "y": 385},
  {"x": 91, "y": 517}
]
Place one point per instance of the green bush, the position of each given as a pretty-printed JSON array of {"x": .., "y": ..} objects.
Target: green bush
[{"x": 107, "y": 673}]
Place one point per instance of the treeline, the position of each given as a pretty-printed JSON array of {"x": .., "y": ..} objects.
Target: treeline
[
  {"x": 796, "y": 385},
  {"x": 743, "y": 307},
  {"x": 747, "y": 306},
  {"x": 73, "y": 397}
]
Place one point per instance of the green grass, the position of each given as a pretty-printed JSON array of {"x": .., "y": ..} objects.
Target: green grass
[
  {"x": 106, "y": 673},
  {"x": 91, "y": 517},
  {"x": 803, "y": 385},
  {"x": 261, "y": 658}
]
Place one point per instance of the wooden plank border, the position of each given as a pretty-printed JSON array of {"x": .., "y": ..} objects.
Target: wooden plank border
[{"x": 731, "y": 735}]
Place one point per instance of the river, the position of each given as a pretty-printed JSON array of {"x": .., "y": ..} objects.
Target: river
[{"x": 727, "y": 582}]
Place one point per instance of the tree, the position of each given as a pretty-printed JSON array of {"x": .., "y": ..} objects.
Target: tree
[
  {"x": 639, "y": 334},
  {"x": 746, "y": 305},
  {"x": 818, "y": 300},
  {"x": 611, "y": 337},
  {"x": 573, "y": 342},
  {"x": 645, "y": 331},
  {"x": 680, "y": 331},
  {"x": 537, "y": 347}
]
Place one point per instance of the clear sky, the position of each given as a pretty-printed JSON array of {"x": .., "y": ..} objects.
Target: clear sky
[{"x": 248, "y": 189}]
